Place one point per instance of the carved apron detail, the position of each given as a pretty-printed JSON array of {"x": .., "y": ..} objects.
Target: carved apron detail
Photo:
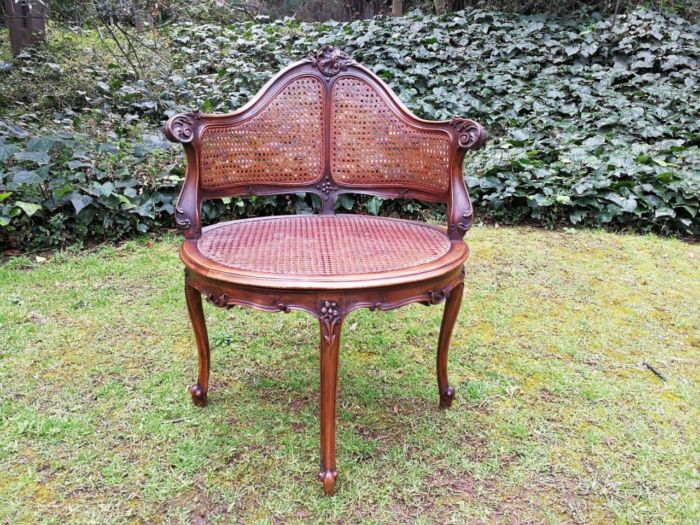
[
  {"x": 437, "y": 296},
  {"x": 219, "y": 300}
]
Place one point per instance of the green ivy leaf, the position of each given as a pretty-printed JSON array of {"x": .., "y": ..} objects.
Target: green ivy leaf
[
  {"x": 75, "y": 164},
  {"x": 80, "y": 201},
  {"x": 28, "y": 207},
  {"x": 28, "y": 177},
  {"x": 346, "y": 201},
  {"x": 373, "y": 205},
  {"x": 38, "y": 157},
  {"x": 7, "y": 151}
]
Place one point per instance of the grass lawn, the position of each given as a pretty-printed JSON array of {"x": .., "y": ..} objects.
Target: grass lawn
[{"x": 556, "y": 419}]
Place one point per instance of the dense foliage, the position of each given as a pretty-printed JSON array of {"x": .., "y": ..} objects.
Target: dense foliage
[
  {"x": 82, "y": 12},
  {"x": 593, "y": 121}
]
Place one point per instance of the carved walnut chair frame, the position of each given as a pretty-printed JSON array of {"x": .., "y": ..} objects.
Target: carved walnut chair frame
[{"x": 235, "y": 154}]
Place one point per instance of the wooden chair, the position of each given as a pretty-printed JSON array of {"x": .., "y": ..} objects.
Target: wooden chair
[{"x": 328, "y": 126}]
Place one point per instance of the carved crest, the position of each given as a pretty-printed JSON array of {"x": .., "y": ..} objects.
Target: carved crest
[
  {"x": 471, "y": 134},
  {"x": 330, "y": 61}
]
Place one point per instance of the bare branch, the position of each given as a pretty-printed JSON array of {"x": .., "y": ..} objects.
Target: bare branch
[{"x": 124, "y": 53}]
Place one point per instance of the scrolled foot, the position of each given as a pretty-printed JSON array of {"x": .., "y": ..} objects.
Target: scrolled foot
[
  {"x": 328, "y": 478},
  {"x": 199, "y": 396},
  {"x": 446, "y": 397}
]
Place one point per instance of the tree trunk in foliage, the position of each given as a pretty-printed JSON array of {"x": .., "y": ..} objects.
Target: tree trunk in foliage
[
  {"x": 26, "y": 20},
  {"x": 442, "y": 6},
  {"x": 361, "y": 9},
  {"x": 138, "y": 15},
  {"x": 396, "y": 7}
]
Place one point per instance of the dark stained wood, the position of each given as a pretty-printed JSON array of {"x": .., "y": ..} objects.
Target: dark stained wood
[
  {"x": 432, "y": 173},
  {"x": 331, "y": 320},
  {"x": 449, "y": 316},
  {"x": 194, "y": 306},
  {"x": 330, "y": 67}
]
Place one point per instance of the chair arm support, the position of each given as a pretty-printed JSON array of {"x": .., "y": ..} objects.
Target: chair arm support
[
  {"x": 460, "y": 215},
  {"x": 183, "y": 129},
  {"x": 187, "y": 209}
]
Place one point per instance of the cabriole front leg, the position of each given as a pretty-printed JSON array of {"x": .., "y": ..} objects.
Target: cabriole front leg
[
  {"x": 330, "y": 317},
  {"x": 449, "y": 316},
  {"x": 194, "y": 307}
]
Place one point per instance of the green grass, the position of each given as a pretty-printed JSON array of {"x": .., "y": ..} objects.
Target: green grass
[{"x": 556, "y": 419}]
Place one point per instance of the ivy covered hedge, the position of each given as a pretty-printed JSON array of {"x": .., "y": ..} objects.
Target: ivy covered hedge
[{"x": 593, "y": 121}]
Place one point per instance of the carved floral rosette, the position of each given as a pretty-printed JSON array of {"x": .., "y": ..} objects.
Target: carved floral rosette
[{"x": 326, "y": 186}]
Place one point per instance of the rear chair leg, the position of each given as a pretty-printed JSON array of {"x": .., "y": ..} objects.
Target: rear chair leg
[
  {"x": 449, "y": 316},
  {"x": 194, "y": 306},
  {"x": 331, "y": 320}
]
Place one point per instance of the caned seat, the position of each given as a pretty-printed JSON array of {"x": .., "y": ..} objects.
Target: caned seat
[
  {"x": 331, "y": 249},
  {"x": 329, "y": 127}
]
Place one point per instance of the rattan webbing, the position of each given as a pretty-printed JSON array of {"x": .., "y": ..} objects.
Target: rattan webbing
[
  {"x": 323, "y": 245},
  {"x": 371, "y": 145},
  {"x": 282, "y": 144}
]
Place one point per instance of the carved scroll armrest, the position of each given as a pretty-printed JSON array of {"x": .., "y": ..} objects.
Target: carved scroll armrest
[
  {"x": 460, "y": 215},
  {"x": 183, "y": 129}
]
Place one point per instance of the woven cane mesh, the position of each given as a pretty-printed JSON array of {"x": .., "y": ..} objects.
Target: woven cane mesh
[
  {"x": 282, "y": 144},
  {"x": 372, "y": 146},
  {"x": 323, "y": 245}
]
